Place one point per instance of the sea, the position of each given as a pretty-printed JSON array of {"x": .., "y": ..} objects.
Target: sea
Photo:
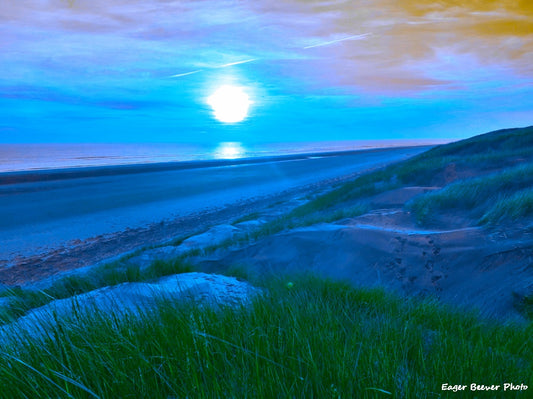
[{"x": 32, "y": 157}]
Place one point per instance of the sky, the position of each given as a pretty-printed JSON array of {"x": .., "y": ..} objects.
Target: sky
[{"x": 142, "y": 71}]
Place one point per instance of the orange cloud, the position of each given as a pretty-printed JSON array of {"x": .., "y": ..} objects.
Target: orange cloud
[{"x": 409, "y": 38}]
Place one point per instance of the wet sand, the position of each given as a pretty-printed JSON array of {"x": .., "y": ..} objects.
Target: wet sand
[{"x": 51, "y": 216}]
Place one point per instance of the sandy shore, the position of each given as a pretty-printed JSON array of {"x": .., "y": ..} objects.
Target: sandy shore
[{"x": 59, "y": 220}]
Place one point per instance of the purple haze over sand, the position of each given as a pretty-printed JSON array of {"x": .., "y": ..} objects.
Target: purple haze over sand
[{"x": 123, "y": 71}]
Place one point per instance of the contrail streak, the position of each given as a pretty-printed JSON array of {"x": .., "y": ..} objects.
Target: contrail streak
[
  {"x": 354, "y": 37},
  {"x": 179, "y": 75},
  {"x": 237, "y": 63},
  {"x": 185, "y": 74}
]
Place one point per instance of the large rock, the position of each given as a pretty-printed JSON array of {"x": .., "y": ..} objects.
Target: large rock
[{"x": 135, "y": 298}]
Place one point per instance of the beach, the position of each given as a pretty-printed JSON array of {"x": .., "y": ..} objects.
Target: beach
[
  {"x": 69, "y": 218},
  {"x": 310, "y": 251},
  {"x": 351, "y": 216}
]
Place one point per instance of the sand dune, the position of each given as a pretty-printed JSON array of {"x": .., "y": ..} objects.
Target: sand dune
[{"x": 464, "y": 266}]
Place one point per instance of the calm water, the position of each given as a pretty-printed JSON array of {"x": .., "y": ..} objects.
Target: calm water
[{"x": 20, "y": 157}]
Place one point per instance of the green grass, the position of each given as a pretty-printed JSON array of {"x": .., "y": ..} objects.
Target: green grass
[
  {"x": 480, "y": 152},
  {"x": 505, "y": 141},
  {"x": 477, "y": 194},
  {"x": 319, "y": 339},
  {"x": 513, "y": 207}
]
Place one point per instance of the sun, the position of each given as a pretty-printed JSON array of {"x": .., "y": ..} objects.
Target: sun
[{"x": 230, "y": 104}]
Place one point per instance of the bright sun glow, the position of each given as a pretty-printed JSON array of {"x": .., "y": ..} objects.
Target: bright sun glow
[{"x": 230, "y": 104}]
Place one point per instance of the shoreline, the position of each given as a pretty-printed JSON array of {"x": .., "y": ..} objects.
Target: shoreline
[
  {"x": 36, "y": 249},
  {"x": 20, "y": 267},
  {"x": 43, "y": 175}
]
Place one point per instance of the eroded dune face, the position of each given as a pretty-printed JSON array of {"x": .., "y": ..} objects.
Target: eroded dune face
[{"x": 464, "y": 266}]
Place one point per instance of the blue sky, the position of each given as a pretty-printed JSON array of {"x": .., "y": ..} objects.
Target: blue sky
[{"x": 126, "y": 71}]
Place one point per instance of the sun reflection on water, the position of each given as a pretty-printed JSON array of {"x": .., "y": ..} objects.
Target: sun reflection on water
[{"x": 229, "y": 150}]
